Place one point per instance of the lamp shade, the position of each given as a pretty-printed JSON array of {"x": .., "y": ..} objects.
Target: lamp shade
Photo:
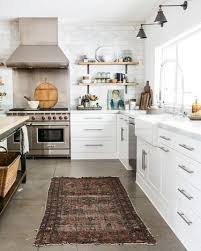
[
  {"x": 141, "y": 34},
  {"x": 160, "y": 18}
]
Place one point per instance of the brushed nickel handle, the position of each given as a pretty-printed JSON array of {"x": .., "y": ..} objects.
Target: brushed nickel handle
[
  {"x": 144, "y": 160},
  {"x": 93, "y": 129},
  {"x": 184, "y": 218},
  {"x": 185, "y": 169},
  {"x": 122, "y": 134},
  {"x": 94, "y": 118},
  {"x": 164, "y": 149},
  {"x": 98, "y": 145},
  {"x": 187, "y": 147},
  {"x": 50, "y": 146},
  {"x": 165, "y": 138},
  {"x": 183, "y": 192}
]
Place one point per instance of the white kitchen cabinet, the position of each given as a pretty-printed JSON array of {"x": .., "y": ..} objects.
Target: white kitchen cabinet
[
  {"x": 154, "y": 165},
  {"x": 169, "y": 172},
  {"x": 123, "y": 135},
  {"x": 94, "y": 136},
  {"x": 168, "y": 182},
  {"x": 143, "y": 155}
]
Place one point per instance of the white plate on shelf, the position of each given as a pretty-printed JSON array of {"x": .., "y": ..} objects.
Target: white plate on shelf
[{"x": 106, "y": 54}]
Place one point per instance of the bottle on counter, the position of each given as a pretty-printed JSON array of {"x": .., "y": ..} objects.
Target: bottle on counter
[{"x": 195, "y": 106}]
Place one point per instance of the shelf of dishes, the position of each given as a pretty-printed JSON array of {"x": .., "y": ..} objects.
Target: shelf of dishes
[
  {"x": 108, "y": 63},
  {"x": 108, "y": 84}
]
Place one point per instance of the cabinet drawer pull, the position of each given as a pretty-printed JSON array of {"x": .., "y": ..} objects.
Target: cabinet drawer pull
[
  {"x": 144, "y": 160},
  {"x": 98, "y": 145},
  {"x": 93, "y": 129},
  {"x": 94, "y": 118},
  {"x": 164, "y": 149},
  {"x": 122, "y": 134},
  {"x": 184, "y": 218},
  {"x": 183, "y": 192},
  {"x": 185, "y": 169},
  {"x": 187, "y": 147},
  {"x": 165, "y": 138}
]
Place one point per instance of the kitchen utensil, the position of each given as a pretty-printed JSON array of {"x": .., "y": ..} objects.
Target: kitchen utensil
[
  {"x": 27, "y": 98},
  {"x": 33, "y": 104},
  {"x": 120, "y": 77},
  {"x": 144, "y": 101},
  {"x": 47, "y": 94}
]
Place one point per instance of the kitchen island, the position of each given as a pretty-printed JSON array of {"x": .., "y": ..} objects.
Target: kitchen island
[{"x": 9, "y": 126}]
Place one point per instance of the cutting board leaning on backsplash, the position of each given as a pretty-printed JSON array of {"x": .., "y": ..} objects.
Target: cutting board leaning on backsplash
[{"x": 47, "y": 94}]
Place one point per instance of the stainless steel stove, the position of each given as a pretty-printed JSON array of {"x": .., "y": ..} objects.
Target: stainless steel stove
[{"x": 48, "y": 130}]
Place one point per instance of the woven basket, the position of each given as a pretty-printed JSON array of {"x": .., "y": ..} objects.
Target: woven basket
[{"x": 9, "y": 163}]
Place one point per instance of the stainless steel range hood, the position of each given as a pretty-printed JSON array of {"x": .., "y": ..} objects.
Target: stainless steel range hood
[{"x": 39, "y": 45}]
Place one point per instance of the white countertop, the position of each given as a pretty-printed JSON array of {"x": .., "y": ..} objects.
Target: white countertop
[
  {"x": 183, "y": 126},
  {"x": 130, "y": 113},
  {"x": 9, "y": 122}
]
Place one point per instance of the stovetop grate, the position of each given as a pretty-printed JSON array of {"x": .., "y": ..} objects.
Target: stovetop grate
[{"x": 39, "y": 109}]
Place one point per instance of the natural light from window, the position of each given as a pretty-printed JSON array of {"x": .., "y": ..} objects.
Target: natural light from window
[{"x": 180, "y": 71}]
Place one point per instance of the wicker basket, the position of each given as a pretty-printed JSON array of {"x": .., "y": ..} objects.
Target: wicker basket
[{"x": 9, "y": 163}]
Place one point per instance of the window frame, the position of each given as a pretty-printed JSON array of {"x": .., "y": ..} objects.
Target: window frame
[{"x": 158, "y": 71}]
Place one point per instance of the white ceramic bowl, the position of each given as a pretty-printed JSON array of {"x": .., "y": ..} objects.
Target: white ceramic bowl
[{"x": 33, "y": 104}]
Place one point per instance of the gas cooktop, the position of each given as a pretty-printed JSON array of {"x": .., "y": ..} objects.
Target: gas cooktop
[{"x": 40, "y": 109}]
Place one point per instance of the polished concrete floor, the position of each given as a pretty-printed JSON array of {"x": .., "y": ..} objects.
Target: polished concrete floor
[{"x": 19, "y": 223}]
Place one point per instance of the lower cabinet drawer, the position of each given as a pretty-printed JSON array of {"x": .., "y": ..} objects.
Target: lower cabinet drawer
[
  {"x": 93, "y": 130},
  {"x": 189, "y": 170},
  {"x": 187, "y": 227},
  {"x": 93, "y": 146},
  {"x": 188, "y": 195},
  {"x": 91, "y": 117}
]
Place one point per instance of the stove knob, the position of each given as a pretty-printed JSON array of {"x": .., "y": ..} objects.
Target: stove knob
[
  {"x": 33, "y": 118},
  {"x": 54, "y": 118},
  {"x": 49, "y": 118},
  {"x": 60, "y": 117},
  {"x": 65, "y": 117},
  {"x": 43, "y": 118}
]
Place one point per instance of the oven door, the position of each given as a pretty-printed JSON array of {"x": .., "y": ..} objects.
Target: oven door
[
  {"x": 50, "y": 136},
  {"x": 14, "y": 140}
]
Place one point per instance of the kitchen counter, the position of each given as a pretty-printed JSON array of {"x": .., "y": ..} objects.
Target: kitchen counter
[
  {"x": 176, "y": 124},
  {"x": 130, "y": 113},
  {"x": 183, "y": 126},
  {"x": 9, "y": 122}
]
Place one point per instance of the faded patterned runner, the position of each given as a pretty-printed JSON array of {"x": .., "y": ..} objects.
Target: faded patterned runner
[{"x": 90, "y": 210}]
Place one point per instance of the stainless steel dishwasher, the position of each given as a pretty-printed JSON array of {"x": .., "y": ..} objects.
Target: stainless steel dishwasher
[{"x": 132, "y": 145}]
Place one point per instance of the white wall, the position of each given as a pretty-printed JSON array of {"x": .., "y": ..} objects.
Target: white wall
[
  {"x": 179, "y": 21},
  {"x": 82, "y": 39}
]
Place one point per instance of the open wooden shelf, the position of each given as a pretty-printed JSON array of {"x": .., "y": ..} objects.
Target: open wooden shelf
[
  {"x": 108, "y": 63},
  {"x": 109, "y": 84}
]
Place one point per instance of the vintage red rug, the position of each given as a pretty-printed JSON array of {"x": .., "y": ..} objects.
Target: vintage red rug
[{"x": 90, "y": 210}]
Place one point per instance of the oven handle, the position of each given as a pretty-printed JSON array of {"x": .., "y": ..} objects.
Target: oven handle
[{"x": 50, "y": 124}]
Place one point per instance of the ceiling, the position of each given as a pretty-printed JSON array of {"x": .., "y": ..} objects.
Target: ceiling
[{"x": 80, "y": 10}]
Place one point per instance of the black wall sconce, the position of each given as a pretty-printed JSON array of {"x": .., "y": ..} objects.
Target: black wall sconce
[
  {"x": 161, "y": 19},
  {"x": 141, "y": 34}
]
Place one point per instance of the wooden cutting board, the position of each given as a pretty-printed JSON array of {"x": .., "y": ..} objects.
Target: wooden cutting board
[{"x": 47, "y": 94}]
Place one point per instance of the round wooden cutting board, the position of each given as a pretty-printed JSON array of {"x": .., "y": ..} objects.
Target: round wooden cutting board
[{"x": 47, "y": 95}]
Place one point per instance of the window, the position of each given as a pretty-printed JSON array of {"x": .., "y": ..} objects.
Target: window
[{"x": 179, "y": 63}]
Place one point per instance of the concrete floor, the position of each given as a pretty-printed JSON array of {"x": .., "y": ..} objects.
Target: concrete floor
[{"x": 19, "y": 223}]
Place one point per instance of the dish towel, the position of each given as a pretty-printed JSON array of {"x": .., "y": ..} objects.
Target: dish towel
[{"x": 25, "y": 140}]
